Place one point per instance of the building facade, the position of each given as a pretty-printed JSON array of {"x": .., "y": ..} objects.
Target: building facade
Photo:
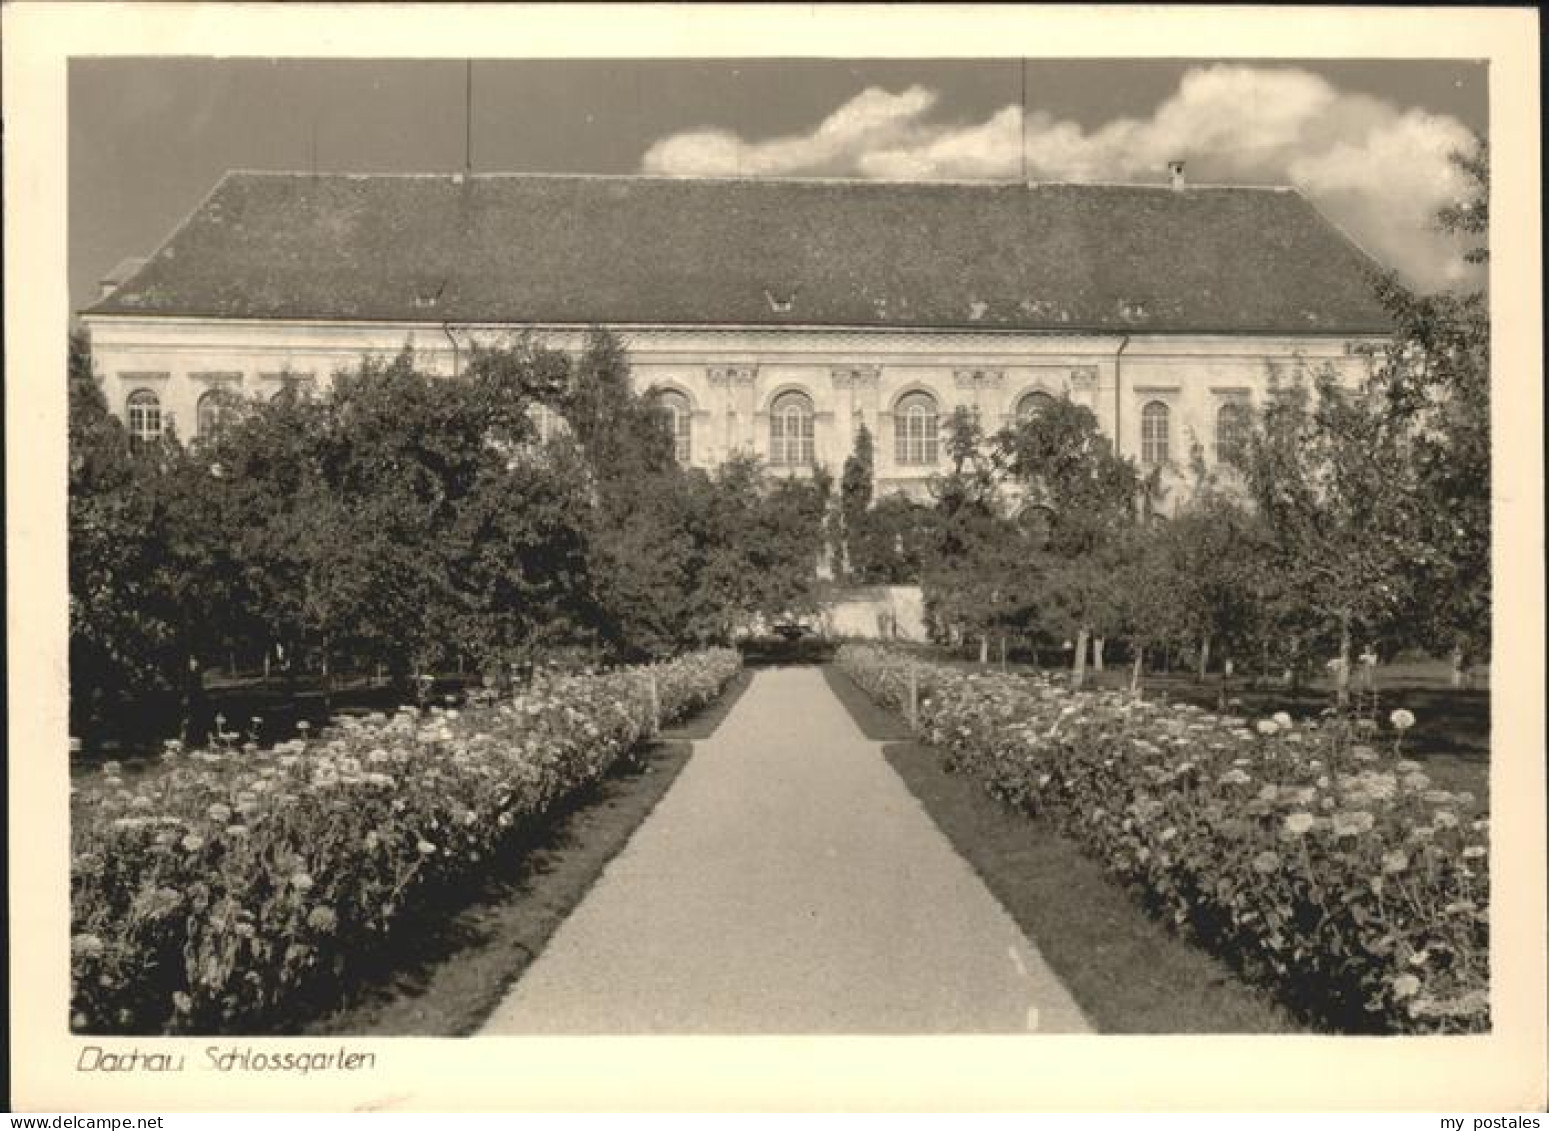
[{"x": 767, "y": 317}]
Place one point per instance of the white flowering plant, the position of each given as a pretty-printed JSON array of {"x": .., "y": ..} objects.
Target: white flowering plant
[
  {"x": 1335, "y": 873},
  {"x": 226, "y": 885}
]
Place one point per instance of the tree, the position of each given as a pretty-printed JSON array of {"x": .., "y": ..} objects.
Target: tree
[
  {"x": 1330, "y": 475},
  {"x": 974, "y": 573},
  {"x": 1210, "y": 557},
  {"x": 1471, "y": 215},
  {"x": 622, "y": 436},
  {"x": 785, "y": 544},
  {"x": 1088, "y": 500},
  {"x": 265, "y": 454},
  {"x": 1434, "y": 377},
  {"x": 876, "y": 541},
  {"x": 855, "y": 493},
  {"x": 643, "y": 556},
  {"x": 1378, "y": 497},
  {"x": 397, "y": 522},
  {"x": 891, "y": 542},
  {"x": 118, "y": 631}
]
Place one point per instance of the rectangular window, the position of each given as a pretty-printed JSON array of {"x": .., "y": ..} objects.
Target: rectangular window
[
  {"x": 1154, "y": 433},
  {"x": 1233, "y": 427}
]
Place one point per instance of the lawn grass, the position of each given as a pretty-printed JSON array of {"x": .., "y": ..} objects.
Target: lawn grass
[{"x": 1127, "y": 971}]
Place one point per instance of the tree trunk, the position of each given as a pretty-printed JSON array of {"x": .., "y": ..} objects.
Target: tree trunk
[
  {"x": 1078, "y": 664},
  {"x": 1003, "y": 651},
  {"x": 327, "y": 674},
  {"x": 1204, "y": 657},
  {"x": 192, "y": 728},
  {"x": 1342, "y": 671},
  {"x": 1097, "y": 653},
  {"x": 984, "y": 648},
  {"x": 1459, "y": 670},
  {"x": 1140, "y": 663}
]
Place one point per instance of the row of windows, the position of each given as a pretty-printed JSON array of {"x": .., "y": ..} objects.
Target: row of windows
[
  {"x": 790, "y": 422},
  {"x": 916, "y": 428},
  {"x": 1233, "y": 422},
  {"x": 916, "y": 424},
  {"x": 146, "y": 420}
]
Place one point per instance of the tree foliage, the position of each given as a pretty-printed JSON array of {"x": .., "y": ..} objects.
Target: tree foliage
[
  {"x": 876, "y": 541},
  {"x": 407, "y": 521}
]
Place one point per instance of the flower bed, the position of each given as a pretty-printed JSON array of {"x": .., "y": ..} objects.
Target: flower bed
[
  {"x": 1313, "y": 856},
  {"x": 232, "y": 883}
]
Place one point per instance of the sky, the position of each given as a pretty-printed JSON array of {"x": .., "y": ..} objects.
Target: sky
[{"x": 1366, "y": 141}]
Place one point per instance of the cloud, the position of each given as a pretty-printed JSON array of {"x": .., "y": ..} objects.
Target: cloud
[
  {"x": 872, "y": 119},
  {"x": 1379, "y": 170}
]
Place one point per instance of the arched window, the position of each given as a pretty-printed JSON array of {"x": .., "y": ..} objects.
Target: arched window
[
  {"x": 790, "y": 430},
  {"x": 1032, "y": 404},
  {"x": 214, "y": 407},
  {"x": 679, "y": 414},
  {"x": 915, "y": 429},
  {"x": 1154, "y": 433},
  {"x": 143, "y": 411},
  {"x": 1233, "y": 422}
]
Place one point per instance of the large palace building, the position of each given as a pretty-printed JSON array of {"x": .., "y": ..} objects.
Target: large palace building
[{"x": 768, "y": 316}]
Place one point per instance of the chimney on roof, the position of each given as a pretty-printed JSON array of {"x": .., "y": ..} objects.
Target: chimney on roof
[{"x": 1175, "y": 172}]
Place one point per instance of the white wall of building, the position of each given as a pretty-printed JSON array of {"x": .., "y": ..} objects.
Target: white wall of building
[{"x": 732, "y": 375}]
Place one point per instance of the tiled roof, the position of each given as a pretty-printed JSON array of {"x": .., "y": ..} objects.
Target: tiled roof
[{"x": 644, "y": 250}]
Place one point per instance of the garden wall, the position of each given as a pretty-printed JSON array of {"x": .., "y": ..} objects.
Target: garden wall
[{"x": 875, "y": 612}]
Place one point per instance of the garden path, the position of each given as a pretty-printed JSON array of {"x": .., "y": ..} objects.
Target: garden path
[{"x": 788, "y": 883}]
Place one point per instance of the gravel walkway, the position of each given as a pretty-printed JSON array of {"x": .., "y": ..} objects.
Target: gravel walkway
[{"x": 788, "y": 883}]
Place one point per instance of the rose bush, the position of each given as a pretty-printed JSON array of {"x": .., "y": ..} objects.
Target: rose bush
[
  {"x": 232, "y": 882},
  {"x": 1313, "y": 856}
]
